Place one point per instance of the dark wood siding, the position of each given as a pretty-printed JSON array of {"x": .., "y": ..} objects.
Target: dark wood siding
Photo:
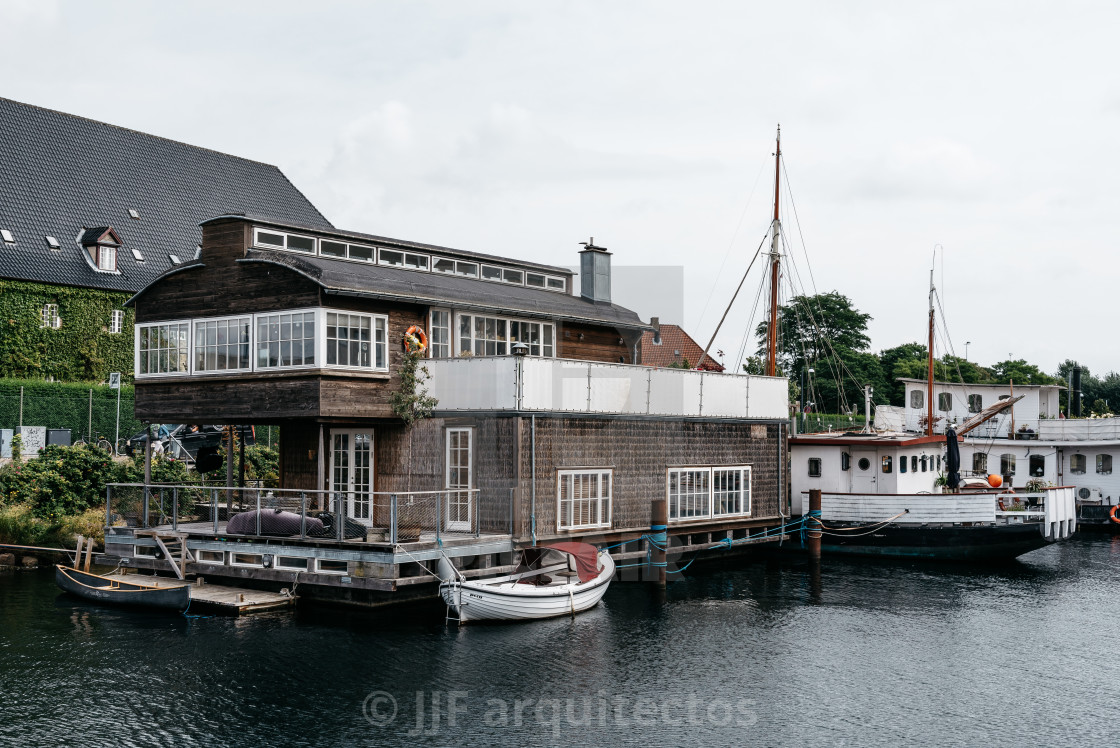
[{"x": 597, "y": 343}]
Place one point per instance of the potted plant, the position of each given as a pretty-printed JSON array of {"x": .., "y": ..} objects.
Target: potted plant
[{"x": 940, "y": 482}]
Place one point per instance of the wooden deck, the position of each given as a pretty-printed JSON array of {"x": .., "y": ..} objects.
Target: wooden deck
[{"x": 219, "y": 598}]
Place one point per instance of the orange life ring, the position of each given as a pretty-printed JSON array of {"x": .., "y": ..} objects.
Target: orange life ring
[
  {"x": 1112, "y": 515},
  {"x": 415, "y": 340}
]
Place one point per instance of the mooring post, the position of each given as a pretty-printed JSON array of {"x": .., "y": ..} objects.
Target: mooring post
[
  {"x": 659, "y": 540},
  {"x": 813, "y": 523}
]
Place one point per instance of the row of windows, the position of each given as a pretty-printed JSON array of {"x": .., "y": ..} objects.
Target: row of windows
[
  {"x": 407, "y": 260},
  {"x": 1036, "y": 465},
  {"x": 945, "y": 401},
  {"x": 584, "y": 496},
  {"x": 479, "y": 335},
  {"x": 281, "y": 340},
  {"x": 50, "y": 319}
]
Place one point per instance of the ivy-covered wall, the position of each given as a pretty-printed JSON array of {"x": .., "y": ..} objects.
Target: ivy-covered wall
[{"x": 82, "y": 349}]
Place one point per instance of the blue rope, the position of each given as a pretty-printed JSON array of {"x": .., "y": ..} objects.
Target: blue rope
[
  {"x": 814, "y": 514},
  {"x": 187, "y": 615}
]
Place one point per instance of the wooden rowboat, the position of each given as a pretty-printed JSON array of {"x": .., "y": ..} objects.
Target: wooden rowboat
[{"x": 105, "y": 590}]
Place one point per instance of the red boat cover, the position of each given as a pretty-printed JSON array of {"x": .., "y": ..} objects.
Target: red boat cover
[{"x": 585, "y": 555}]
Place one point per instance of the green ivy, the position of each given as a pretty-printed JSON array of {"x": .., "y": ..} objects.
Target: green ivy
[{"x": 82, "y": 349}]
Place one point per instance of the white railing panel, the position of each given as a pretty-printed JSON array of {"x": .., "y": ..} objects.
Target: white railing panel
[
  {"x": 871, "y": 508},
  {"x": 725, "y": 395},
  {"x": 768, "y": 397},
  {"x": 674, "y": 392},
  {"x": 473, "y": 383},
  {"x": 618, "y": 389},
  {"x": 1079, "y": 429}
]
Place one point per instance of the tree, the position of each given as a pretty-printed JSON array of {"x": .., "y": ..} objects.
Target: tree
[
  {"x": 411, "y": 401},
  {"x": 906, "y": 361},
  {"x": 812, "y": 327},
  {"x": 1019, "y": 371}
]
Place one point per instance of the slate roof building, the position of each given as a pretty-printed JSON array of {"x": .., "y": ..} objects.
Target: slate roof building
[{"x": 90, "y": 213}]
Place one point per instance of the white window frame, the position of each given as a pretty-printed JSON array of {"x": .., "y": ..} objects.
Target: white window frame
[
  {"x": 378, "y": 323},
  {"x": 194, "y": 344},
  {"x": 203, "y": 558},
  {"x": 258, "y": 230},
  {"x": 454, "y": 505},
  {"x": 432, "y": 326},
  {"x": 565, "y": 518},
  {"x": 320, "y": 570},
  {"x": 138, "y": 333},
  {"x": 49, "y": 318},
  {"x": 318, "y": 324},
  {"x": 116, "y": 321},
  {"x": 348, "y": 477},
  {"x": 245, "y": 564},
  {"x": 106, "y": 258},
  {"x": 1102, "y": 459},
  {"x": 710, "y": 496},
  {"x": 278, "y": 563},
  {"x": 458, "y": 339}
]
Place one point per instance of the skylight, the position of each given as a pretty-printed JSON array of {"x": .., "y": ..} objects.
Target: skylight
[
  {"x": 174, "y": 260},
  {"x": 52, "y": 242},
  {"x": 136, "y": 254},
  {"x": 7, "y": 236},
  {"x": 133, "y": 214}
]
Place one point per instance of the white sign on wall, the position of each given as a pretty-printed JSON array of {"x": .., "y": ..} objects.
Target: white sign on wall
[{"x": 34, "y": 438}]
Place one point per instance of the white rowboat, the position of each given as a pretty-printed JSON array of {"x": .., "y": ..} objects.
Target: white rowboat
[{"x": 551, "y": 581}]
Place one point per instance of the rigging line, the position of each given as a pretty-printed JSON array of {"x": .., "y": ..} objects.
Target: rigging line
[
  {"x": 750, "y": 330},
  {"x": 734, "y": 296},
  {"x": 797, "y": 220},
  {"x": 731, "y": 244}
]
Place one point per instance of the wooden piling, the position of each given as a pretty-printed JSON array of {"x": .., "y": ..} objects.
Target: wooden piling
[
  {"x": 660, "y": 540},
  {"x": 813, "y": 523}
]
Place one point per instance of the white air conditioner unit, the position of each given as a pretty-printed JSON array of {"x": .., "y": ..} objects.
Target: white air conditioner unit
[{"x": 1089, "y": 494}]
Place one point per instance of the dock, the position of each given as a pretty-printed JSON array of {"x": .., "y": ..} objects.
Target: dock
[{"x": 218, "y": 598}]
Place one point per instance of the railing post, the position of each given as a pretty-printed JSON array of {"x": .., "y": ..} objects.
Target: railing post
[
  {"x": 474, "y": 513},
  {"x": 214, "y": 508},
  {"x": 393, "y": 518},
  {"x": 439, "y": 512},
  {"x": 147, "y": 509},
  {"x": 649, "y": 388},
  {"x": 162, "y": 507},
  {"x": 340, "y": 518},
  {"x": 589, "y": 388},
  {"x": 258, "y": 513},
  {"x": 175, "y": 509},
  {"x": 701, "y": 393},
  {"x": 108, "y": 506},
  {"x": 302, "y": 512},
  {"x": 512, "y": 493}
]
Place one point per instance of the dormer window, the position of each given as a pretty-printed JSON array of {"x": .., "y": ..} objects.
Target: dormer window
[{"x": 101, "y": 244}]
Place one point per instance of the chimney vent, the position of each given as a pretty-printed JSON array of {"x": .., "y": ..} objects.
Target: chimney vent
[{"x": 595, "y": 272}]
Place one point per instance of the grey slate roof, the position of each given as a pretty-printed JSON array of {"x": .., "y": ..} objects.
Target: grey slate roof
[
  {"x": 60, "y": 173},
  {"x": 396, "y": 284}
]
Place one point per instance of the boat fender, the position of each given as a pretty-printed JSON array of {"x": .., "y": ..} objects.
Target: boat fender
[
  {"x": 415, "y": 341},
  {"x": 446, "y": 570},
  {"x": 1112, "y": 515}
]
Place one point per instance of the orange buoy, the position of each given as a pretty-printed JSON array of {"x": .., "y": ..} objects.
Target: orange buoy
[
  {"x": 415, "y": 340},
  {"x": 995, "y": 481},
  {"x": 1112, "y": 515}
]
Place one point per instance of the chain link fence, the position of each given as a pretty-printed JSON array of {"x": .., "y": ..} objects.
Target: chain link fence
[{"x": 91, "y": 414}]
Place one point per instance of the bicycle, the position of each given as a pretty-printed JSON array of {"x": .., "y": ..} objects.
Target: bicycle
[{"x": 102, "y": 443}]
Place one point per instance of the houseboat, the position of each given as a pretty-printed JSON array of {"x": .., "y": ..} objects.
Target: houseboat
[{"x": 546, "y": 426}]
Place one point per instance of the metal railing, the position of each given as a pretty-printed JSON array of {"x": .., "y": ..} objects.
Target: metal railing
[
  {"x": 365, "y": 516},
  {"x": 560, "y": 385}
]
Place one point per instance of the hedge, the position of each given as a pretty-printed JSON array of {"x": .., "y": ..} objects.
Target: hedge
[{"x": 66, "y": 405}]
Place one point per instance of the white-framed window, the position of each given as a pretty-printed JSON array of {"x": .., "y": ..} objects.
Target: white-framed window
[
  {"x": 458, "y": 475},
  {"x": 583, "y": 498},
  {"x": 815, "y": 467},
  {"x": 255, "y": 560},
  {"x": 439, "y": 333},
  {"x": 161, "y": 348},
  {"x": 284, "y": 240},
  {"x": 917, "y": 399},
  {"x": 222, "y": 344},
  {"x": 494, "y": 336},
  {"x": 292, "y": 563},
  {"x": 455, "y": 267},
  {"x": 217, "y": 558},
  {"x": 106, "y": 257},
  {"x": 706, "y": 492},
  {"x": 48, "y": 317},
  {"x": 556, "y": 284},
  {"x": 330, "y": 566},
  {"x": 116, "y": 321},
  {"x": 357, "y": 341},
  {"x": 285, "y": 340}
]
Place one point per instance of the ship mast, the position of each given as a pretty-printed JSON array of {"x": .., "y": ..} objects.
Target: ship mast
[
  {"x": 775, "y": 262},
  {"x": 929, "y": 398}
]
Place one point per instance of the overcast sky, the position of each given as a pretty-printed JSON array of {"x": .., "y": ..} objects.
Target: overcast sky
[{"x": 521, "y": 128}]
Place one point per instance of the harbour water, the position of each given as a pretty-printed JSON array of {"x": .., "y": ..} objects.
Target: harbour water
[{"x": 865, "y": 653}]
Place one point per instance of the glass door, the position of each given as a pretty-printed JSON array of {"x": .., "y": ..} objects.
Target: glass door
[
  {"x": 458, "y": 505},
  {"x": 352, "y": 472}
]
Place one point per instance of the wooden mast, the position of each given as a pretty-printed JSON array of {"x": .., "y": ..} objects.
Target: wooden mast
[
  {"x": 929, "y": 398},
  {"x": 775, "y": 258}
]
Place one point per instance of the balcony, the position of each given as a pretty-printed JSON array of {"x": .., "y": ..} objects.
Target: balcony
[{"x": 510, "y": 383}]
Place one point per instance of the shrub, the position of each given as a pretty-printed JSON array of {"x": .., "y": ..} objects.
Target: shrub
[{"x": 20, "y": 526}]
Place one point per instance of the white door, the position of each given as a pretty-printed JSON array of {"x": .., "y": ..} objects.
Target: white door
[
  {"x": 457, "y": 507},
  {"x": 864, "y": 470},
  {"x": 352, "y": 472}
]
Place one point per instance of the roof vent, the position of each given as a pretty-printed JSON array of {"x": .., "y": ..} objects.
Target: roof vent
[
  {"x": 7, "y": 236},
  {"x": 133, "y": 214},
  {"x": 174, "y": 260},
  {"x": 52, "y": 242}
]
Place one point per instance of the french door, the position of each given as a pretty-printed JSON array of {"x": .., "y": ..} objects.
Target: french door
[
  {"x": 457, "y": 512},
  {"x": 352, "y": 472}
]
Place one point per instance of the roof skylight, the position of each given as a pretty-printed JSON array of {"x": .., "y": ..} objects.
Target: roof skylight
[
  {"x": 132, "y": 213},
  {"x": 174, "y": 260},
  {"x": 136, "y": 255},
  {"x": 52, "y": 242},
  {"x": 7, "y": 236}
]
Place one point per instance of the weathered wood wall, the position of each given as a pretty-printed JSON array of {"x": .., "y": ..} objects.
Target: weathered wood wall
[{"x": 593, "y": 343}]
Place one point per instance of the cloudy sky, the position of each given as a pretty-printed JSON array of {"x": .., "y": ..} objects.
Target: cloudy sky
[{"x": 521, "y": 128}]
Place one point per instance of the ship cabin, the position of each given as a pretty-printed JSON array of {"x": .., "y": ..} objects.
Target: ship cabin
[{"x": 544, "y": 426}]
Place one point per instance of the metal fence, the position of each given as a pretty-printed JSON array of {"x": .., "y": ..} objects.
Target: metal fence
[
  {"x": 92, "y": 413},
  {"x": 307, "y": 514}
]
